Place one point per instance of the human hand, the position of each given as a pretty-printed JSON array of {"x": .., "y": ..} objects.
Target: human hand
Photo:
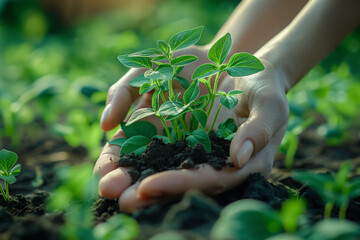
[{"x": 262, "y": 115}]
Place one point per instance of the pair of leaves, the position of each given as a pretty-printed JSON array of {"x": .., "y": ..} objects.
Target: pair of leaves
[
  {"x": 240, "y": 64},
  {"x": 8, "y": 169},
  {"x": 229, "y": 100}
]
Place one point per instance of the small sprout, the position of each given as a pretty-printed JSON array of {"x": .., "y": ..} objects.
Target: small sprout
[
  {"x": 8, "y": 171},
  {"x": 334, "y": 189}
]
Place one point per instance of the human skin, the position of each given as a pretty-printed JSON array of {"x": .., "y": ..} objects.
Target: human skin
[{"x": 262, "y": 111}]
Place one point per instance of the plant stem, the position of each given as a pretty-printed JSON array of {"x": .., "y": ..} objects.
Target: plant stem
[
  {"x": 328, "y": 208},
  {"x": 3, "y": 193},
  {"x": 166, "y": 128},
  {"x": 213, "y": 95},
  {"x": 183, "y": 123},
  {"x": 171, "y": 91},
  {"x": 176, "y": 128},
  {"x": 7, "y": 190},
  {"x": 161, "y": 92},
  {"x": 216, "y": 115},
  {"x": 342, "y": 211}
]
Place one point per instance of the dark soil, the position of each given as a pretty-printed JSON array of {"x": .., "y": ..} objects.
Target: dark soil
[
  {"x": 160, "y": 157},
  {"x": 26, "y": 217}
]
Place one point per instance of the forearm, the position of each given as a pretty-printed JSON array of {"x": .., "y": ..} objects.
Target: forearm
[
  {"x": 317, "y": 30},
  {"x": 255, "y": 22}
]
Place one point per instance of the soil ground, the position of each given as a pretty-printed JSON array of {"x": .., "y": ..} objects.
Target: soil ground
[{"x": 25, "y": 216}]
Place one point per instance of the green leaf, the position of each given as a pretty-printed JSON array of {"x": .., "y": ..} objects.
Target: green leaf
[
  {"x": 221, "y": 93},
  {"x": 205, "y": 70},
  {"x": 118, "y": 141},
  {"x": 183, "y": 82},
  {"x": 238, "y": 219},
  {"x": 140, "y": 114},
  {"x": 150, "y": 52},
  {"x": 9, "y": 179},
  {"x": 192, "y": 92},
  {"x": 226, "y": 129},
  {"x": 163, "y": 72},
  {"x": 219, "y": 51},
  {"x": 146, "y": 87},
  {"x": 200, "y": 116},
  {"x": 314, "y": 180},
  {"x": 243, "y": 64},
  {"x": 120, "y": 226},
  {"x": 185, "y": 38},
  {"x": 234, "y": 92},
  {"x": 155, "y": 100},
  {"x": 135, "y": 144},
  {"x": 183, "y": 60},
  {"x": 15, "y": 170},
  {"x": 172, "y": 108},
  {"x": 163, "y": 46},
  {"x": 199, "y": 136},
  {"x": 334, "y": 229},
  {"x": 139, "y": 81},
  {"x": 7, "y": 160},
  {"x": 135, "y": 62},
  {"x": 355, "y": 188},
  {"x": 229, "y": 101}
]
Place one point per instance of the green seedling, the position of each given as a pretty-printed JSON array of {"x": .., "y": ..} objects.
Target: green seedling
[
  {"x": 333, "y": 189},
  {"x": 237, "y": 220},
  {"x": 175, "y": 106},
  {"x": 8, "y": 171}
]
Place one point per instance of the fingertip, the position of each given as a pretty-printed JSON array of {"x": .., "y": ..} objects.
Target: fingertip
[{"x": 114, "y": 183}]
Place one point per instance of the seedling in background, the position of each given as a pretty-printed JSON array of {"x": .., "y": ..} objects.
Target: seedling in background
[
  {"x": 175, "y": 107},
  {"x": 8, "y": 171},
  {"x": 333, "y": 189}
]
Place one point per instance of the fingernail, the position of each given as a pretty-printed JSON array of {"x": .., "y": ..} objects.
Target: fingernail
[
  {"x": 105, "y": 113},
  {"x": 245, "y": 153}
]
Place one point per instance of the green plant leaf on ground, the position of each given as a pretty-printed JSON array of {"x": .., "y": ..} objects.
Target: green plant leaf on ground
[
  {"x": 15, "y": 170},
  {"x": 142, "y": 128},
  {"x": 220, "y": 49},
  {"x": 185, "y": 38},
  {"x": 120, "y": 226},
  {"x": 135, "y": 62},
  {"x": 334, "y": 229},
  {"x": 199, "y": 136},
  {"x": 9, "y": 179},
  {"x": 238, "y": 219},
  {"x": 226, "y": 128},
  {"x": 140, "y": 114},
  {"x": 7, "y": 160},
  {"x": 135, "y": 144},
  {"x": 243, "y": 64},
  {"x": 205, "y": 70},
  {"x": 183, "y": 60}
]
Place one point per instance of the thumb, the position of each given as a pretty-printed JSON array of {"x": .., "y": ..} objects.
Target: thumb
[
  {"x": 119, "y": 100},
  {"x": 256, "y": 132}
]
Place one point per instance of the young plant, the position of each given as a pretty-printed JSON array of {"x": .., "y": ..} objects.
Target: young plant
[
  {"x": 8, "y": 171},
  {"x": 163, "y": 68},
  {"x": 334, "y": 190}
]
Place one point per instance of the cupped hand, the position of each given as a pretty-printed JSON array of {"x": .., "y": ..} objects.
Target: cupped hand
[{"x": 261, "y": 114}]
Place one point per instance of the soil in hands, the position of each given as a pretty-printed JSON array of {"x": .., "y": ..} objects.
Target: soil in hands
[{"x": 160, "y": 157}]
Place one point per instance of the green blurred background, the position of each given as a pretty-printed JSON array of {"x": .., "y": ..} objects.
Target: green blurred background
[{"x": 58, "y": 59}]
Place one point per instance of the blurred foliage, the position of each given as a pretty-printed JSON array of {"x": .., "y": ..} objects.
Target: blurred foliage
[{"x": 54, "y": 73}]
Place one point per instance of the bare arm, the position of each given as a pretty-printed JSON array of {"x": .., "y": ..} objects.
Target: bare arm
[
  {"x": 317, "y": 30},
  {"x": 254, "y": 22}
]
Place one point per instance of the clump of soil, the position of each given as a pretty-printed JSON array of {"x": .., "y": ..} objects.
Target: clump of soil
[{"x": 159, "y": 157}]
